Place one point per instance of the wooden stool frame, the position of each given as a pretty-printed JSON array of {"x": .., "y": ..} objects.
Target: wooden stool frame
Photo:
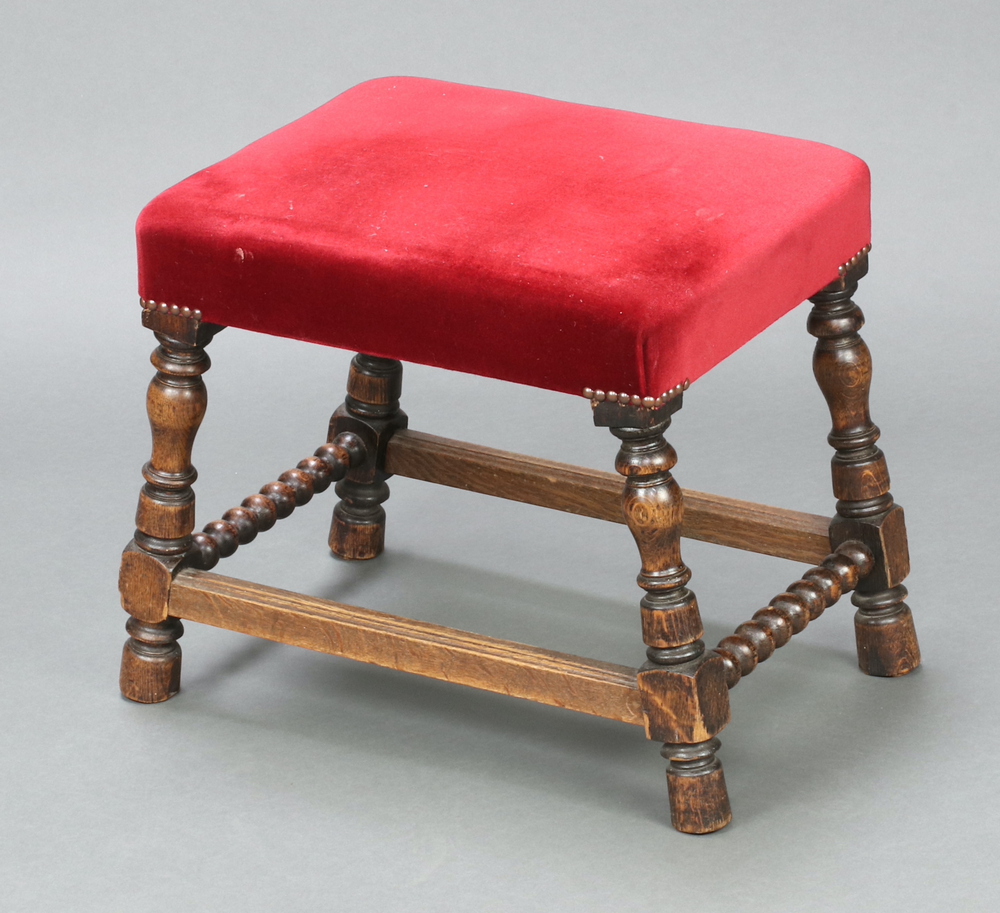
[{"x": 680, "y": 695}]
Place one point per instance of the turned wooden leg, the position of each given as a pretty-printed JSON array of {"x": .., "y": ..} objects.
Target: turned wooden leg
[
  {"x": 684, "y": 692},
  {"x": 887, "y": 641},
  {"x": 371, "y": 410},
  {"x": 175, "y": 402}
]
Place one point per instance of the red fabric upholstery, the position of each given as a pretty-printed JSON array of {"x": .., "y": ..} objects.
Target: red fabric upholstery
[{"x": 507, "y": 235}]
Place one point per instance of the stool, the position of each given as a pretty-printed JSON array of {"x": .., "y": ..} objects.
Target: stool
[{"x": 572, "y": 248}]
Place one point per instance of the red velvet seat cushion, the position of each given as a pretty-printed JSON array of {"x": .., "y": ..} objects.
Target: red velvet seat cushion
[{"x": 536, "y": 241}]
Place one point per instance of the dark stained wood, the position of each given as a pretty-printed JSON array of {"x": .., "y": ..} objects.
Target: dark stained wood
[
  {"x": 623, "y": 412},
  {"x": 684, "y": 702},
  {"x": 756, "y": 528},
  {"x": 886, "y": 638},
  {"x": 275, "y": 501},
  {"x": 653, "y": 508},
  {"x": 592, "y": 493},
  {"x": 182, "y": 325},
  {"x": 699, "y": 800},
  {"x": 144, "y": 582},
  {"x": 887, "y": 641},
  {"x": 685, "y": 699},
  {"x": 589, "y": 686},
  {"x": 842, "y": 364},
  {"x": 790, "y": 612},
  {"x": 175, "y": 403},
  {"x": 371, "y": 412},
  {"x": 151, "y": 661},
  {"x": 885, "y": 534}
]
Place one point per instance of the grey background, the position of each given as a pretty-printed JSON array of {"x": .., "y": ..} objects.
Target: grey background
[{"x": 281, "y": 779}]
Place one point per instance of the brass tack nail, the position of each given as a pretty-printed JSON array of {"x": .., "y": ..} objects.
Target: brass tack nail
[
  {"x": 854, "y": 261},
  {"x": 636, "y": 400},
  {"x": 599, "y": 396},
  {"x": 185, "y": 312},
  {"x": 175, "y": 310},
  {"x": 612, "y": 397},
  {"x": 588, "y": 392},
  {"x": 648, "y": 402},
  {"x": 196, "y": 315}
]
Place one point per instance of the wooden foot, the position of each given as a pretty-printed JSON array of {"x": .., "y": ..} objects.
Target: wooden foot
[
  {"x": 887, "y": 640},
  {"x": 699, "y": 801},
  {"x": 866, "y": 511},
  {"x": 371, "y": 411},
  {"x": 151, "y": 661},
  {"x": 357, "y": 532}
]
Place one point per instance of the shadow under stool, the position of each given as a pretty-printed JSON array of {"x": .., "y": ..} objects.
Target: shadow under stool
[{"x": 577, "y": 249}]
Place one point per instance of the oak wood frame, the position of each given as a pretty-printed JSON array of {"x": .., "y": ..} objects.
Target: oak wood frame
[{"x": 679, "y": 695}]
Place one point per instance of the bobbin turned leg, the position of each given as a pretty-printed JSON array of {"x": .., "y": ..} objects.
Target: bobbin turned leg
[
  {"x": 684, "y": 693},
  {"x": 371, "y": 410},
  {"x": 887, "y": 641},
  {"x": 175, "y": 402}
]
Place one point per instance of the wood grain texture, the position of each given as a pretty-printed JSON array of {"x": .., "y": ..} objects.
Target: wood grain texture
[
  {"x": 653, "y": 508},
  {"x": 592, "y": 493},
  {"x": 842, "y": 365},
  {"x": 144, "y": 582},
  {"x": 151, "y": 661},
  {"x": 887, "y": 640},
  {"x": 275, "y": 501},
  {"x": 370, "y": 412},
  {"x": 175, "y": 404},
  {"x": 699, "y": 800},
  {"x": 176, "y": 400},
  {"x": 559, "y": 679},
  {"x": 685, "y": 698},
  {"x": 789, "y": 612}
]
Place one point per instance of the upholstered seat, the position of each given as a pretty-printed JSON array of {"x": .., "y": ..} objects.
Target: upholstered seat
[
  {"x": 546, "y": 243},
  {"x": 568, "y": 247}
]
